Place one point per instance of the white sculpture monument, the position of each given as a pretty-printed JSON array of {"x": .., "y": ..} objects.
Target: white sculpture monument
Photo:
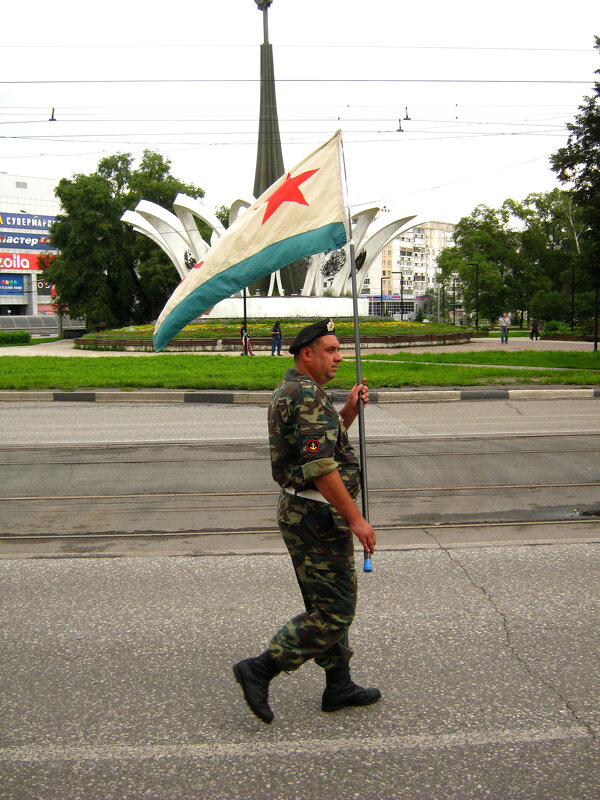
[{"x": 178, "y": 236}]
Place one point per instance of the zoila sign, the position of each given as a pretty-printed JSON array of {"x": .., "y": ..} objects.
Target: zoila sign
[{"x": 16, "y": 261}]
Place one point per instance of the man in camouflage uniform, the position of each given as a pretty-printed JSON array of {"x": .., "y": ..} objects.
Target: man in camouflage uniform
[{"x": 316, "y": 466}]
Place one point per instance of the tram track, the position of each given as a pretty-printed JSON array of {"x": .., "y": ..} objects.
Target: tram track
[
  {"x": 442, "y": 526},
  {"x": 273, "y": 494},
  {"x": 223, "y": 491},
  {"x": 115, "y": 459}
]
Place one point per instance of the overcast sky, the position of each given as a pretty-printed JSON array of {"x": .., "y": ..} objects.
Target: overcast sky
[{"x": 488, "y": 89}]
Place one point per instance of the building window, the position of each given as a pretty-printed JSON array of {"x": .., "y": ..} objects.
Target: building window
[{"x": 21, "y": 185}]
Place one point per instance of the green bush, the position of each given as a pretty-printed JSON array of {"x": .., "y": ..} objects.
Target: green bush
[
  {"x": 586, "y": 327},
  {"x": 14, "y": 337},
  {"x": 555, "y": 328}
]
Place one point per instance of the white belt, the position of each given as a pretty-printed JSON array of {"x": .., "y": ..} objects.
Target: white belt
[{"x": 309, "y": 494}]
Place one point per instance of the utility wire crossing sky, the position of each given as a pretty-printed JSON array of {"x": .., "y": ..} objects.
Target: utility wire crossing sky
[{"x": 441, "y": 108}]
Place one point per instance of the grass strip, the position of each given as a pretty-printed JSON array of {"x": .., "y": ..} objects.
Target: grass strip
[
  {"x": 523, "y": 358},
  {"x": 183, "y": 371}
]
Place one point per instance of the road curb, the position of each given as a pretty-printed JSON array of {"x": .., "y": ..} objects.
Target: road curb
[{"x": 263, "y": 397}]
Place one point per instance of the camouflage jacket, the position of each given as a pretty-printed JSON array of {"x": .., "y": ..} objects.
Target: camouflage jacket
[{"x": 307, "y": 436}]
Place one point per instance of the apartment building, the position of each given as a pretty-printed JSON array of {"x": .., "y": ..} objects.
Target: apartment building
[{"x": 406, "y": 269}]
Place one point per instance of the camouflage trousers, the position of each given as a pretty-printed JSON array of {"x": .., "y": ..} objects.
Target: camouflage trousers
[{"x": 320, "y": 544}]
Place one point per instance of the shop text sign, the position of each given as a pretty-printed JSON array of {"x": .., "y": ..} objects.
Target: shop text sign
[
  {"x": 19, "y": 263},
  {"x": 30, "y": 222},
  {"x": 43, "y": 287},
  {"x": 12, "y": 284},
  {"x": 23, "y": 241}
]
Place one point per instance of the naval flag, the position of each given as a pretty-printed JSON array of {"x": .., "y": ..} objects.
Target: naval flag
[{"x": 301, "y": 214}]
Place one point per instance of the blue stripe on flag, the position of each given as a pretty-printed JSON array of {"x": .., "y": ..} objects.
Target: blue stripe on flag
[{"x": 273, "y": 257}]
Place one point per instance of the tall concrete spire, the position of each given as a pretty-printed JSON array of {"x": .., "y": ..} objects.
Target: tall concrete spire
[{"x": 269, "y": 158}]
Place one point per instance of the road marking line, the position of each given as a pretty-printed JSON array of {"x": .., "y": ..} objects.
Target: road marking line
[{"x": 237, "y": 750}]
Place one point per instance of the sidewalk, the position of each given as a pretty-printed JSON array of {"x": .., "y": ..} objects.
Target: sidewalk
[{"x": 66, "y": 347}]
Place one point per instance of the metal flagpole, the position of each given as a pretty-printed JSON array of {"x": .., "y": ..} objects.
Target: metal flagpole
[{"x": 367, "y": 566}]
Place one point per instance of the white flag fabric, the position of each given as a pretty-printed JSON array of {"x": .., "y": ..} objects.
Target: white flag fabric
[{"x": 301, "y": 214}]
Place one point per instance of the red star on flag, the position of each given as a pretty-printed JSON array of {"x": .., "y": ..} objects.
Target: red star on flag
[{"x": 288, "y": 192}]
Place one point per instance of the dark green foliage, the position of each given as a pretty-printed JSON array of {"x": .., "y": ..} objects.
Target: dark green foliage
[
  {"x": 14, "y": 337},
  {"x": 556, "y": 328},
  {"x": 578, "y": 164},
  {"x": 548, "y": 305},
  {"x": 525, "y": 256},
  {"x": 105, "y": 272},
  {"x": 540, "y": 256}
]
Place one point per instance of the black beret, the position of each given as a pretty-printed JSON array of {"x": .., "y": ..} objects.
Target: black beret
[{"x": 324, "y": 327}]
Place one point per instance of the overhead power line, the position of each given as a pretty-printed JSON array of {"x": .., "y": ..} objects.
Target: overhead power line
[
  {"x": 284, "y": 46},
  {"x": 291, "y": 80}
]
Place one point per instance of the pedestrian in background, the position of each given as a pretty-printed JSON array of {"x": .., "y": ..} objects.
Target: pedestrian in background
[
  {"x": 276, "y": 338},
  {"x": 504, "y": 328},
  {"x": 316, "y": 466},
  {"x": 246, "y": 343},
  {"x": 535, "y": 329}
]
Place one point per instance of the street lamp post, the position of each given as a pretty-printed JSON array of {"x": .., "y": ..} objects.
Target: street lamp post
[
  {"x": 454, "y": 301},
  {"x": 596, "y": 318},
  {"x": 401, "y": 292},
  {"x": 572, "y": 295},
  {"x": 245, "y": 333},
  {"x": 471, "y": 264},
  {"x": 476, "y": 297}
]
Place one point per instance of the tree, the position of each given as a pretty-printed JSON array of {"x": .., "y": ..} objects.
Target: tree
[
  {"x": 93, "y": 272},
  {"x": 549, "y": 243},
  {"x": 105, "y": 272},
  {"x": 486, "y": 251},
  {"x": 548, "y": 305},
  {"x": 578, "y": 164},
  {"x": 515, "y": 253}
]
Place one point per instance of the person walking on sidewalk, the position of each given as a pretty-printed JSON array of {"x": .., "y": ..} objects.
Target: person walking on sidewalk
[
  {"x": 276, "y": 339},
  {"x": 504, "y": 328},
  {"x": 316, "y": 466},
  {"x": 535, "y": 329}
]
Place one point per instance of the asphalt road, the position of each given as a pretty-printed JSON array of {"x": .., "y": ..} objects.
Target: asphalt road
[
  {"x": 116, "y": 671},
  {"x": 170, "y": 469},
  {"x": 116, "y": 680},
  {"x": 39, "y": 423},
  {"x": 219, "y": 497}
]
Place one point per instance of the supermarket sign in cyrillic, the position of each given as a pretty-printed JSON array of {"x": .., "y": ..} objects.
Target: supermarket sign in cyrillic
[{"x": 29, "y": 222}]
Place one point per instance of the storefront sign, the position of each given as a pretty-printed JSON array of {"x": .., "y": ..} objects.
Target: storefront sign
[
  {"x": 43, "y": 287},
  {"x": 23, "y": 241},
  {"x": 12, "y": 262},
  {"x": 12, "y": 285},
  {"x": 30, "y": 222}
]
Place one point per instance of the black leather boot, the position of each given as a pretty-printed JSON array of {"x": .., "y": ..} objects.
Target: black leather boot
[
  {"x": 254, "y": 675},
  {"x": 341, "y": 691}
]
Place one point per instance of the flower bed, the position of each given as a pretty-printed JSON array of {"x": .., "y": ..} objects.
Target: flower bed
[{"x": 232, "y": 343}]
